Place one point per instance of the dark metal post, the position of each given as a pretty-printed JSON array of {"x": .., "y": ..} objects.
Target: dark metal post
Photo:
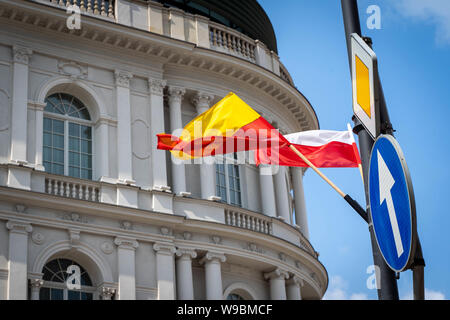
[{"x": 388, "y": 285}]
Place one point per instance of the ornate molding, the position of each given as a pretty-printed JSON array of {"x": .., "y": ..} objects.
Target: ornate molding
[
  {"x": 175, "y": 93},
  {"x": 38, "y": 238},
  {"x": 36, "y": 283},
  {"x": 107, "y": 247},
  {"x": 107, "y": 293},
  {"x": 184, "y": 252},
  {"x": 213, "y": 257},
  {"x": 75, "y": 217},
  {"x": 254, "y": 248},
  {"x": 126, "y": 225},
  {"x": 282, "y": 256},
  {"x": 164, "y": 248},
  {"x": 21, "y": 54},
  {"x": 156, "y": 86},
  {"x": 74, "y": 237},
  {"x": 20, "y": 208},
  {"x": 19, "y": 227},
  {"x": 216, "y": 239},
  {"x": 187, "y": 235},
  {"x": 126, "y": 243},
  {"x": 277, "y": 274},
  {"x": 165, "y": 231},
  {"x": 72, "y": 69},
  {"x": 123, "y": 78}
]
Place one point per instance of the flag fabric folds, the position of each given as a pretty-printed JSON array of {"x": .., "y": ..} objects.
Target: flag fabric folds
[
  {"x": 324, "y": 148},
  {"x": 231, "y": 125}
]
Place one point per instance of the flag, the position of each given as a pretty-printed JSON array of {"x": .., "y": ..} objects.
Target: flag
[
  {"x": 324, "y": 148},
  {"x": 231, "y": 125}
]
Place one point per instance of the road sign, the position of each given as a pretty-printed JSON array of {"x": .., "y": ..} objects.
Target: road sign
[
  {"x": 392, "y": 204},
  {"x": 365, "y": 92}
]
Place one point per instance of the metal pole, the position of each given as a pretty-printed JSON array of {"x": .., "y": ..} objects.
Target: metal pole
[{"x": 388, "y": 285}]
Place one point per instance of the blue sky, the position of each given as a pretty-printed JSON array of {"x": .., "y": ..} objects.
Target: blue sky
[{"x": 413, "y": 50}]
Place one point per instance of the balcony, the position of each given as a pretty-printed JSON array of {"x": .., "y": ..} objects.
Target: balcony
[{"x": 177, "y": 24}]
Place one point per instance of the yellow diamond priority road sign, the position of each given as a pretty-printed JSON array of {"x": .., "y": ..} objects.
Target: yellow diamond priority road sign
[{"x": 365, "y": 91}]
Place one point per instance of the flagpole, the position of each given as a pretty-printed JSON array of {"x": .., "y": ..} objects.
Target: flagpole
[
  {"x": 349, "y": 127},
  {"x": 355, "y": 205}
]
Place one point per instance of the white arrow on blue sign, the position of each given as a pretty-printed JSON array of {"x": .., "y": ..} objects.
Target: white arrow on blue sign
[{"x": 392, "y": 204}]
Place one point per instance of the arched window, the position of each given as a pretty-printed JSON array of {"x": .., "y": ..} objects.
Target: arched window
[
  {"x": 67, "y": 137},
  {"x": 57, "y": 272},
  {"x": 234, "y": 296}
]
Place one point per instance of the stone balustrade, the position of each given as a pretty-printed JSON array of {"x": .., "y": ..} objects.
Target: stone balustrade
[
  {"x": 246, "y": 220},
  {"x": 103, "y": 8},
  {"x": 72, "y": 188}
]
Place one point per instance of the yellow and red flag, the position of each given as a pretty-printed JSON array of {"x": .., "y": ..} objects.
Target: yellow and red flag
[{"x": 231, "y": 125}]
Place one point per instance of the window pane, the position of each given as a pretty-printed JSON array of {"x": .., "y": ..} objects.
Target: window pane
[
  {"x": 58, "y": 141},
  {"x": 47, "y": 124},
  {"x": 86, "y": 132},
  {"x": 86, "y": 174},
  {"x": 58, "y": 126},
  {"x": 86, "y": 146},
  {"x": 74, "y": 172},
  {"x": 56, "y": 294},
  {"x": 74, "y": 144},
  {"x": 74, "y": 159},
  {"x": 47, "y": 166},
  {"x": 47, "y": 154},
  {"x": 86, "y": 296},
  {"x": 74, "y": 129},
  {"x": 86, "y": 161},
  {"x": 47, "y": 139},
  {"x": 58, "y": 156},
  {"x": 58, "y": 168},
  {"x": 74, "y": 295},
  {"x": 44, "y": 294}
]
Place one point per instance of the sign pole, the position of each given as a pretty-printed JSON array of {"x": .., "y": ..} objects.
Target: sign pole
[{"x": 387, "y": 289}]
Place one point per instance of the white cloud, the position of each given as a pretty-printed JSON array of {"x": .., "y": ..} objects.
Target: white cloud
[
  {"x": 337, "y": 290},
  {"x": 432, "y": 11},
  {"x": 429, "y": 295}
]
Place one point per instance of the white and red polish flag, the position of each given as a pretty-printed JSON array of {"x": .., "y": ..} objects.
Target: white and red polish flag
[{"x": 324, "y": 148}]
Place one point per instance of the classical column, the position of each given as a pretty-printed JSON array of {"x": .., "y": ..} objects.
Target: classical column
[
  {"x": 267, "y": 190},
  {"x": 178, "y": 169},
  {"x": 293, "y": 288},
  {"x": 165, "y": 271},
  {"x": 126, "y": 267},
  {"x": 299, "y": 201},
  {"x": 39, "y": 133},
  {"x": 107, "y": 293},
  {"x": 36, "y": 285},
  {"x": 17, "y": 260},
  {"x": 277, "y": 284},
  {"x": 185, "y": 285},
  {"x": 202, "y": 102},
  {"x": 103, "y": 149},
  {"x": 124, "y": 155},
  {"x": 282, "y": 196},
  {"x": 19, "y": 101},
  {"x": 213, "y": 275},
  {"x": 157, "y": 126}
]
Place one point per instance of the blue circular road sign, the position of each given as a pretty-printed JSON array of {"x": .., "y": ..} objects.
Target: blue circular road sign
[{"x": 392, "y": 205}]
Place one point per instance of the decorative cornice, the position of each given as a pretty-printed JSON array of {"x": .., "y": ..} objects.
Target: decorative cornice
[
  {"x": 176, "y": 93},
  {"x": 277, "y": 274},
  {"x": 21, "y": 54},
  {"x": 186, "y": 253},
  {"x": 123, "y": 78},
  {"x": 19, "y": 227},
  {"x": 213, "y": 257},
  {"x": 126, "y": 243},
  {"x": 164, "y": 248},
  {"x": 157, "y": 86}
]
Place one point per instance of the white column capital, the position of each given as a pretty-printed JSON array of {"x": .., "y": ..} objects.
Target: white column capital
[
  {"x": 164, "y": 248},
  {"x": 19, "y": 227},
  {"x": 202, "y": 101},
  {"x": 176, "y": 93},
  {"x": 295, "y": 280},
  {"x": 21, "y": 54},
  {"x": 157, "y": 86},
  {"x": 184, "y": 253},
  {"x": 36, "y": 283},
  {"x": 123, "y": 78},
  {"x": 107, "y": 293},
  {"x": 277, "y": 274},
  {"x": 126, "y": 243},
  {"x": 214, "y": 257}
]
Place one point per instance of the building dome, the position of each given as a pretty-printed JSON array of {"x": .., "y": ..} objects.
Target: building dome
[{"x": 87, "y": 200}]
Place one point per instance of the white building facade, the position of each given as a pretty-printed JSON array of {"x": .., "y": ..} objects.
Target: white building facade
[{"x": 82, "y": 183}]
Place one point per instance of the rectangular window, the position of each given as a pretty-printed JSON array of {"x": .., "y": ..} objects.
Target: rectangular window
[
  {"x": 228, "y": 185},
  {"x": 80, "y": 151},
  {"x": 53, "y": 153}
]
